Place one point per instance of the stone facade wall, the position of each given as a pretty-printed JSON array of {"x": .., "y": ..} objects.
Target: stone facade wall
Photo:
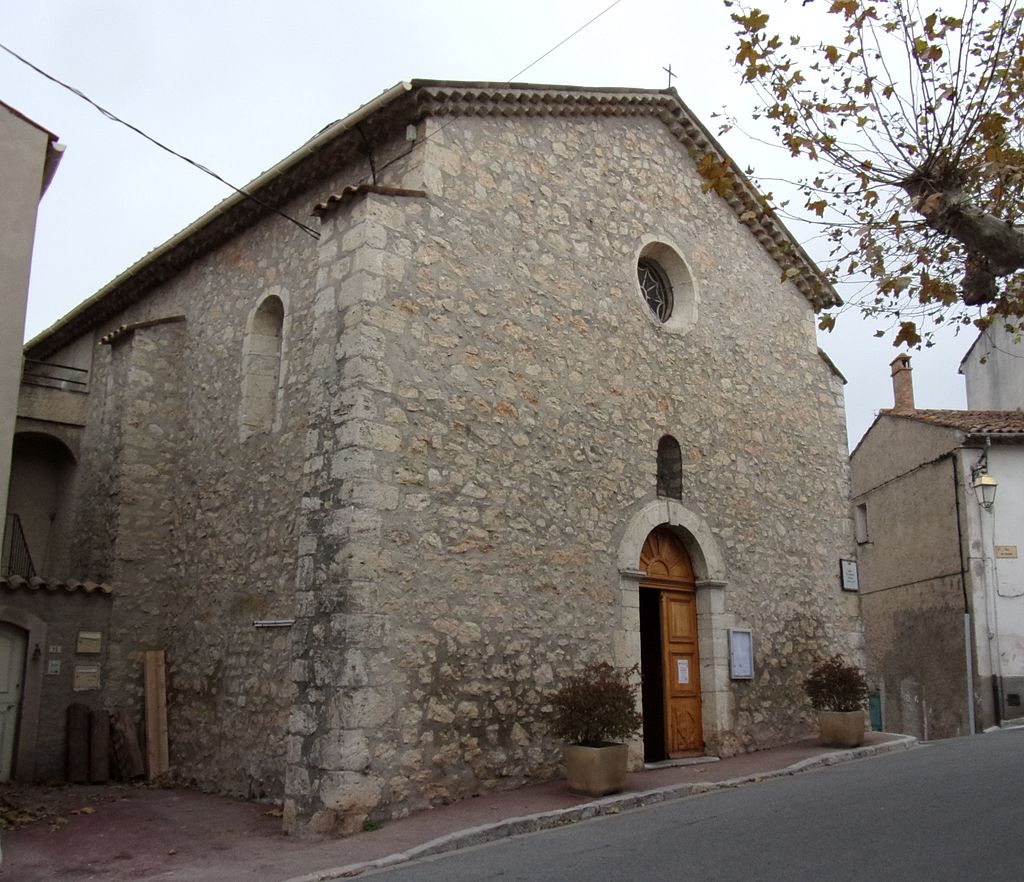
[
  {"x": 501, "y": 393},
  {"x": 195, "y": 527},
  {"x": 473, "y": 396}
]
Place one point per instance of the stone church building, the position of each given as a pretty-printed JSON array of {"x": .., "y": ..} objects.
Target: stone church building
[{"x": 531, "y": 397}]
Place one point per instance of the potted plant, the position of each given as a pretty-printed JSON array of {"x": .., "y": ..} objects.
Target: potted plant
[
  {"x": 837, "y": 691},
  {"x": 593, "y": 712}
]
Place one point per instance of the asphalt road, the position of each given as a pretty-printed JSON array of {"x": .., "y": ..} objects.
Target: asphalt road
[{"x": 951, "y": 810}]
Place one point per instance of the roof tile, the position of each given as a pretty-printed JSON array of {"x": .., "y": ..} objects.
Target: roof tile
[
  {"x": 37, "y": 583},
  {"x": 974, "y": 422}
]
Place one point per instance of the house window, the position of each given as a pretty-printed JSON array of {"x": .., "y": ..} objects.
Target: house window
[
  {"x": 261, "y": 367},
  {"x": 670, "y": 468},
  {"x": 860, "y": 523}
]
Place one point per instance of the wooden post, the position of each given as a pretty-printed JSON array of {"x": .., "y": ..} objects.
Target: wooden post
[
  {"x": 99, "y": 747},
  {"x": 78, "y": 743},
  {"x": 156, "y": 714}
]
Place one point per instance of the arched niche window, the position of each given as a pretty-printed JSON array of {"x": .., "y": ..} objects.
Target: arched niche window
[
  {"x": 261, "y": 367},
  {"x": 670, "y": 468}
]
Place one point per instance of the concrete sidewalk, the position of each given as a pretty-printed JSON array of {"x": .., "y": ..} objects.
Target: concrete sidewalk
[{"x": 140, "y": 833}]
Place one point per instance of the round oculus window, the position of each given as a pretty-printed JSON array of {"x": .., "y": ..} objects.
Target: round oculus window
[{"x": 656, "y": 288}]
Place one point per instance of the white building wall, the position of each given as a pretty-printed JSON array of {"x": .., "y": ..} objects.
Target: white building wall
[
  {"x": 994, "y": 371},
  {"x": 23, "y": 149},
  {"x": 1006, "y": 526}
]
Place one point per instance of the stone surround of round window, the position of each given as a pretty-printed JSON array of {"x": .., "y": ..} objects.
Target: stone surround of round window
[{"x": 667, "y": 286}]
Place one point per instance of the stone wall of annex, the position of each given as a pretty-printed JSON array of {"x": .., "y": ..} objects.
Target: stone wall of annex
[
  {"x": 498, "y": 398},
  {"x": 195, "y": 527}
]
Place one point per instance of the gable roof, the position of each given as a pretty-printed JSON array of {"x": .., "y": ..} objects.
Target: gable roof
[
  {"x": 971, "y": 422},
  {"x": 410, "y": 102}
]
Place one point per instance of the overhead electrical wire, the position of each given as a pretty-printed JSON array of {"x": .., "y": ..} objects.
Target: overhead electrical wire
[
  {"x": 507, "y": 82},
  {"x": 115, "y": 118},
  {"x": 208, "y": 171}
]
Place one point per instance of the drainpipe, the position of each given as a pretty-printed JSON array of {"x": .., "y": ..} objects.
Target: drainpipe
[
  {"x": 968, "y": 629},
  {"x": 992, "y": 600}
]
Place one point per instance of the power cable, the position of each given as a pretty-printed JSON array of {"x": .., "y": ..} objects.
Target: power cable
[
  {"x": 115, "y": 118},
  {"x": 374, "y": 171},
  {"x": 507, "y": 82}
]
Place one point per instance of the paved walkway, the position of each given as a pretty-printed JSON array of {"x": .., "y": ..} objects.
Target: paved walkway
[{"x": 140, "y": 833}]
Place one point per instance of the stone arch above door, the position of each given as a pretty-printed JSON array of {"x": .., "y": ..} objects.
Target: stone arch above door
[{"x": 708, "y": 563}]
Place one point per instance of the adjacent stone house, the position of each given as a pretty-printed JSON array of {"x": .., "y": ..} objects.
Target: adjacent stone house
[
  {"x": 525, "y": 395},
  {"x": 941, "y": 581}
]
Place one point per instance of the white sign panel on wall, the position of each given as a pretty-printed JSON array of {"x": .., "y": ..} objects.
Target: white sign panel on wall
[{"x": 741, "y": 654}]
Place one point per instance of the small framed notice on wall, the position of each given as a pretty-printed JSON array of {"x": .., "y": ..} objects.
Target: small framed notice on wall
[
  {"x": 86, "y": 677},
  {"x": 89, "y": 643},
  {"x": 741, "y": 654},
  {"x": 848, "y": 575}
]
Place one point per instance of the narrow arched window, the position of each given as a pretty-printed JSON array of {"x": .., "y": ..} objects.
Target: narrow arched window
[
  {"x": 261, "y": 367},
  {"x": 670, "y": 468}
]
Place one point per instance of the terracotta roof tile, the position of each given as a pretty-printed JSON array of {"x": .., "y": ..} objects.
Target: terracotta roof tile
[
  {"x": 37, "y": 583},
  {"x": 973, "y": 422}
]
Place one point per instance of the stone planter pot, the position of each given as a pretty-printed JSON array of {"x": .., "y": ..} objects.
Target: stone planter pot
[
  {"x": 596, "y": 771},
  {"x": 841, "y": 728}
]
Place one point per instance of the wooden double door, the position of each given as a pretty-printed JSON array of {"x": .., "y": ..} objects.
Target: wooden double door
[{"x": 669, "y": 653}]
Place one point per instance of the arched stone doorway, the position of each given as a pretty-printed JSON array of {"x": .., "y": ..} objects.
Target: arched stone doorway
[
  {"x": 669, "y": 650},
  {"x": 645, "y": 573}
]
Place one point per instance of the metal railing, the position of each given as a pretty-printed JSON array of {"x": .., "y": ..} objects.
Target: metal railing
[
  {"x": 55, "y": 376},
  {"x": 15, "y": 559}
]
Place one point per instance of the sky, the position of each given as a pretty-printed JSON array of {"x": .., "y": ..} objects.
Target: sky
[{"x": 237, "y": 86}]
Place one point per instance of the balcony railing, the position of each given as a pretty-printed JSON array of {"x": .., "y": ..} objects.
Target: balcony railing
[
  {"x": 15, "y": 559},
  {"x": 55, "y": 376}
]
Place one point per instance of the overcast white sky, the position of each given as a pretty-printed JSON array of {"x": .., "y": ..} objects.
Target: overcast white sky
[{"x": 238, "y": 85}]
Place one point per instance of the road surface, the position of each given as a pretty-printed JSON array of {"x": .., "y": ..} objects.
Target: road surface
[{"x": 950, "y": 810}]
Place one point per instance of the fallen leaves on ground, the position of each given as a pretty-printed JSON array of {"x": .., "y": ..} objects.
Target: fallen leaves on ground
[{"x": 14, "y": 816}]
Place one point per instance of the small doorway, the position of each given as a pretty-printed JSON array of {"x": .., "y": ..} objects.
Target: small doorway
[
  {"x": 13, "y": 643},
  {"x": 669, "y": 656}
]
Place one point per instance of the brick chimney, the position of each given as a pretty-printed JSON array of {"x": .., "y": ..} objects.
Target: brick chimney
[{"x": 902, "y": 384}]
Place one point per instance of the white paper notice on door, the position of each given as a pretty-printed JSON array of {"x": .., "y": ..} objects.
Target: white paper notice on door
[{"x": 682, "y": 671}]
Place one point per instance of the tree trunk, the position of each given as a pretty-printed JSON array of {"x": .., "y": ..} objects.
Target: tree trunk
[{"x": 994, "y": 247}]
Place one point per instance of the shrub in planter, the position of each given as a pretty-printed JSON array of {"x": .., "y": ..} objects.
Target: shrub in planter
[
  {"x": 593, "y": 710},
  {"x": 837, "y": 691}
]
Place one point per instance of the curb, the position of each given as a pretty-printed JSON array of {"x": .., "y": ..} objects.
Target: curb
[{"x": 609, "y": 805}]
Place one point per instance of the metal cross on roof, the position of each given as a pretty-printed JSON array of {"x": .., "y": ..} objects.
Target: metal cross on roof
[{"x": 668, "y": 70}]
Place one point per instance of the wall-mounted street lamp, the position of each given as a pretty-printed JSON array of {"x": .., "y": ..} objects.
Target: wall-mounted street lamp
[
  {"x": 985, "y": 489},
  {"x": 984, "y": 484}
]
